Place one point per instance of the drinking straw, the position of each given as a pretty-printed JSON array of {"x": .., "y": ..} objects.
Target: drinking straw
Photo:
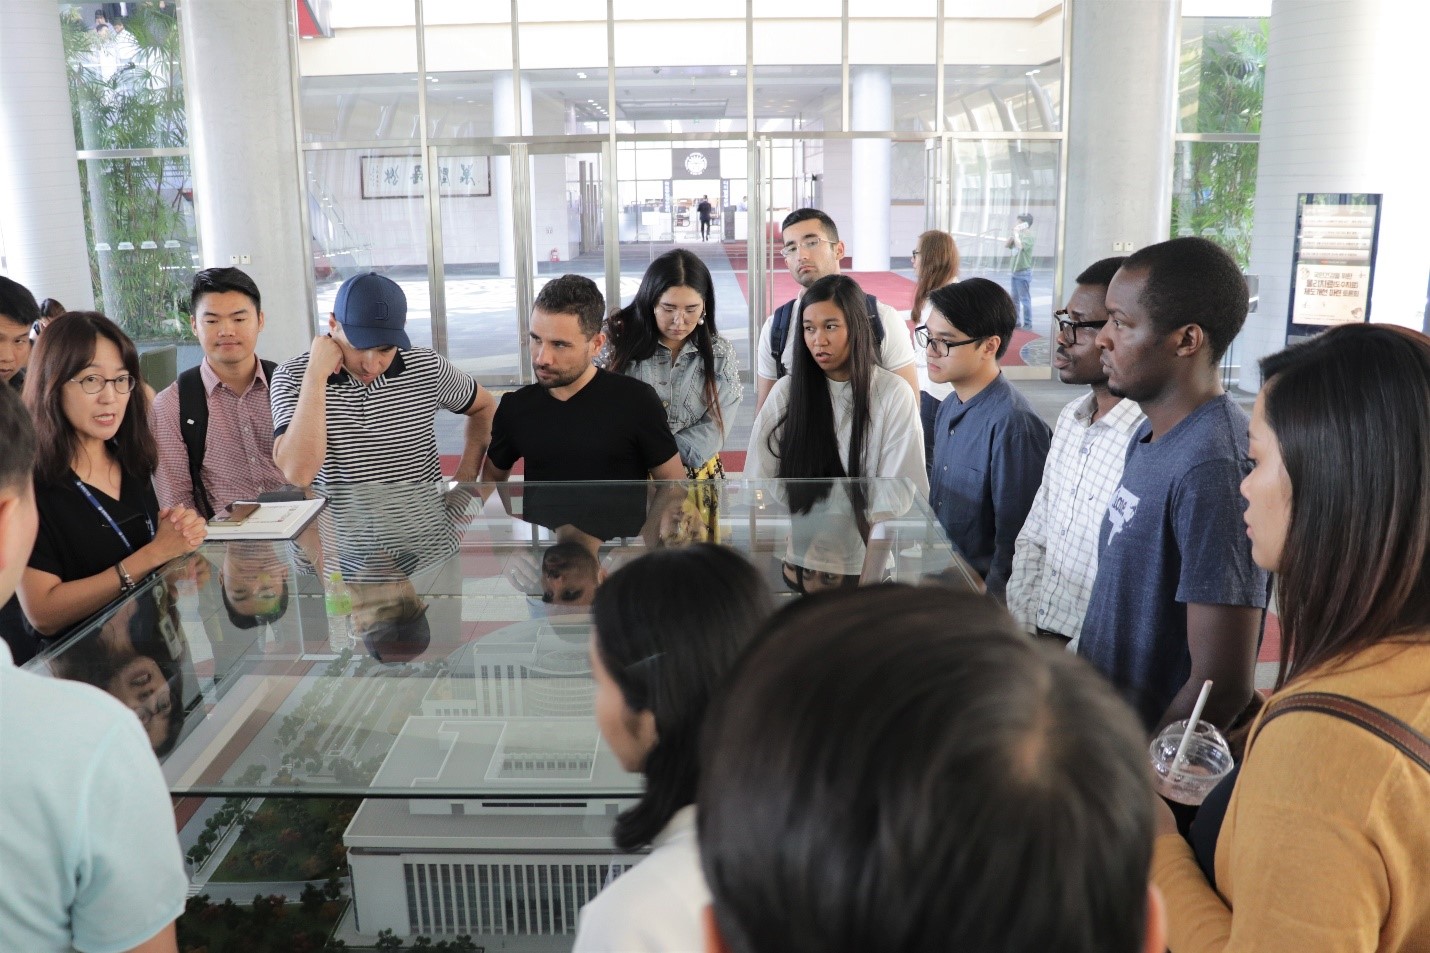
[{"x": 1191, "y": 727}]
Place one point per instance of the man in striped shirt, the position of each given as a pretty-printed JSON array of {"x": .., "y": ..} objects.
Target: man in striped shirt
[
  {"x": 360, "y": 406},
  {"x": 1055, "y": 556}
]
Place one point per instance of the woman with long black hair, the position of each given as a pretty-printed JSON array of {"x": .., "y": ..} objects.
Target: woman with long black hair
[
  {"x": 667, "y": 338},
  {"x": 101, "y": 528},
  {"x": 666, "y": 629},
  {"x": 1324, "y": 843},
  {"x": 837, "y": 413}
]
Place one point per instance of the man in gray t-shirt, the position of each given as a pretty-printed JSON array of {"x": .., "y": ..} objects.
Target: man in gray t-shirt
[{"x": 1177, "y": 599}]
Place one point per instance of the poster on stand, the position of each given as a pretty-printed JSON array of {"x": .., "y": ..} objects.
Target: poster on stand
[{"x": 1333, "y": 265}]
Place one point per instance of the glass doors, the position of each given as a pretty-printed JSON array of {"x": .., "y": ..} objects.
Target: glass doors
[{"x": 511, "y": 216}]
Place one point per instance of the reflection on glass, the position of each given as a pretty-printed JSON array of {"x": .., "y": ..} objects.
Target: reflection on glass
[
  {"x": 253, "y": 579},
  {"x": 138, "y": 655},
  {"x": 460, "y": 607}
]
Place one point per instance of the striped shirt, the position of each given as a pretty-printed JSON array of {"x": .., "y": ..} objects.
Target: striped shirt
[
  {"x": 384, "y": 432},
  {"x": 1055, "y": 557},
  {"x": 238, "y": 450}
]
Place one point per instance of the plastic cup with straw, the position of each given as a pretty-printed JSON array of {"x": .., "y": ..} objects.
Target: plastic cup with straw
[{"x": 1207, "y": 754}]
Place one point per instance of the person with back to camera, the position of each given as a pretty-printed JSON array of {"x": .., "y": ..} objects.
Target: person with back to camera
[
  {"x": 666, "y": 629},
  {"x": 1325, "y": 842},
  {"x": 667, "y": 338},
  {"x": 838, "y": 413},
  {"x": 89, "y": 858},
  {"x": 101, "y": 528},
  {"x": 1002, "y": 805}
]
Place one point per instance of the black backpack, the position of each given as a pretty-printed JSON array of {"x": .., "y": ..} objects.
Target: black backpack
[
  {"x": 779, "y": 329},
  {"x": 194, "y": 427}
]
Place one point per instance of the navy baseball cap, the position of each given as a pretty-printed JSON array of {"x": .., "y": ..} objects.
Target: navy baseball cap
[{"x": 373, "y": 312}]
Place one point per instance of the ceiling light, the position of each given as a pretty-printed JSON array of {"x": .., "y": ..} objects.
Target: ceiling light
[
  {"x": 1031, "y": 72},
  {"x": 580, "y": 75},
  {"x": 734, "y": 72}
]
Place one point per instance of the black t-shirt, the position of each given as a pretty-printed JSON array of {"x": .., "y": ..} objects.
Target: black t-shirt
[
  {"x": 614, "y": 428},
  {"x": 75, "y": 540}
]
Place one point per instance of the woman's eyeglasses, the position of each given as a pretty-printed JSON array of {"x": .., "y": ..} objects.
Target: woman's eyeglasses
[
  {"x": 94, "y": 383},
  {"x": 1067, "y": 330},
  {"x": 940, "y": 348}
]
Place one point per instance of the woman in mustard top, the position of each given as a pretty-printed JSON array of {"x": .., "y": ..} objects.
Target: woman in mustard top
[{"x": 1325, "y": 844}]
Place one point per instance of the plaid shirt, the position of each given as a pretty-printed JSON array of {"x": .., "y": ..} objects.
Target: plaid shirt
[{"x": 1055, "y": 557}]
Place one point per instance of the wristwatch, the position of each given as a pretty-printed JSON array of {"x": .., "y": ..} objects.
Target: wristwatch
[{"x": 126, "y": 581}]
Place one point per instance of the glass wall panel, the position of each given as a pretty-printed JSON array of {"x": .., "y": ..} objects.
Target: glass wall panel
[
  {"x": 994, "y": 181},
  {"x": 798, "y": 79},
  {"x": 143, "y": 243},
  {"x": 1223, "y": 74},
  {"x": 126, "y": 86},
  {"x": 1004, "y": 74},
  {"x": 367, "y": 213},
  {"x": 1214, "y": 193},
  {"x": 569, "y": 101},
  {"x": 361, "y": 83},
  {"x": 892, "y": 47}
]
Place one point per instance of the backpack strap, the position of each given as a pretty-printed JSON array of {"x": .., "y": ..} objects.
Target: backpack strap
[
  {"x": 194, "y": 428},
  {"x": 874, "y": 320},
  {"x": 1383, "y": 725},
  {"x": 779, "y": 333}
]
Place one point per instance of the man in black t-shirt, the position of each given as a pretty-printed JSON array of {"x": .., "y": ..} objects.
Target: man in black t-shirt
[{"x": 578, "y": 422}]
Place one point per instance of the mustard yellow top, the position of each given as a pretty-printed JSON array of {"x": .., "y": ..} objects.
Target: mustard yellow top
[{"x": 1326, "y": 843}]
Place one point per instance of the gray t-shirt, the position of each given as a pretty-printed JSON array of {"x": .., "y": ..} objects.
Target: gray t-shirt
[{"x": 1172, "y": 535}]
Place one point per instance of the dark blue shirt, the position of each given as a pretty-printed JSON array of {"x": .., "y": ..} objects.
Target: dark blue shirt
[
  {"x": 1172, "y": 535},
  {"x": 987, "y": 464}
]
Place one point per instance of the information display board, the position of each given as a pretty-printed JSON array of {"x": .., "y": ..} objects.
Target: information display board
[{"x": 1333, "y": 265}]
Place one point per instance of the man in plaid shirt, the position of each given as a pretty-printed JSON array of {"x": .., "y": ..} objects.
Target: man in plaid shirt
[{"x": 1055, "y": 556}]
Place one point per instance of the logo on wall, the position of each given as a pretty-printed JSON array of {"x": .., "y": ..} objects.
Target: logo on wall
[{"x": 695, "y": 163}]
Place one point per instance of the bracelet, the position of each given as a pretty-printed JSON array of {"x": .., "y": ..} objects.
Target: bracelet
[{"x": 126, "y": 581}]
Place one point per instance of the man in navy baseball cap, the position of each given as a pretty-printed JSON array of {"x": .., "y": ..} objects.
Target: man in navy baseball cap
[
  {"x": 373, "y": 312},
  {"x": 359, "y": 407}
]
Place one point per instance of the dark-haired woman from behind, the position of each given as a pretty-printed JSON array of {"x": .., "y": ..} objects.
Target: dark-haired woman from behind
[
  {"x": 101, "y": 529},
  {"x": 666, "y": 629},
  {"x": 837, "y": 413},
  {"x": 1325, "y": 843}
]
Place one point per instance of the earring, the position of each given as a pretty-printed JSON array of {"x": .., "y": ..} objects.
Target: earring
[{"x": 702, "y": 320}]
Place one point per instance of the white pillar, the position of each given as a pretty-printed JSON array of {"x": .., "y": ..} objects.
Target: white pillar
[
  {"x": 1120, "y": 109},
  {"x": 41, "y": 212},
  {"x": 504, "y": 124},
  {"x": 247, "y": 184},
  {"x": 1340, "y": 101},
  {"x": 871, "y": 107}
]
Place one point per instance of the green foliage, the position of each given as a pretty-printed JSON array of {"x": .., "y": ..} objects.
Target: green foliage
[
  {"x": 1215, "y": 191},
  {"x": 267, "y": 925},
  {"x": 128, "y": 94},
  {"x": 292, "y": 839}
]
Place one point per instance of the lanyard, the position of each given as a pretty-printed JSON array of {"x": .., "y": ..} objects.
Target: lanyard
[{"x": 109, "y": 519}]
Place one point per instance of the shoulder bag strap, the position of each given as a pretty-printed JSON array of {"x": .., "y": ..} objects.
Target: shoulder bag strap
[
  {"x": 779, "y": 333},
  {"x": 1411, "y": 743}
]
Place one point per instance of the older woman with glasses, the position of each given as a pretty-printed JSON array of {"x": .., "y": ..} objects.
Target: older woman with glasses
[{"x": 101, "y": 529}]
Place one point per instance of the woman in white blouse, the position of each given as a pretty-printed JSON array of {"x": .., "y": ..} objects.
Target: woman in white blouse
[
  {"x": 837, "y": 413},
  {"x": 667, "y": 627},
  {"x": 935, "y": 265}
]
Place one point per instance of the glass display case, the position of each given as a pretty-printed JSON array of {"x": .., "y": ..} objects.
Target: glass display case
[{"x": 396, "y": 706}]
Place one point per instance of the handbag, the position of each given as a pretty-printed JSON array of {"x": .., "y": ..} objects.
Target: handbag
[{"x": 1206, "y": 826}]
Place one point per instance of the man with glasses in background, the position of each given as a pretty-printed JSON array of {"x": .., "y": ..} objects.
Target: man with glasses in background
[
  {"x": 812, "y": 249},
  {"x": 989, "y": 443},
  {"x": 1055, "y": 557}
]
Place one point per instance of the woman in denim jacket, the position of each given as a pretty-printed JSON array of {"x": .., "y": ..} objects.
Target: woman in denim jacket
[{"x": 667, "y": 338}]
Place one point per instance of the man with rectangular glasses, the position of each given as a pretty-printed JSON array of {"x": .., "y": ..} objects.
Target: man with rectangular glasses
[
  {"x": 989, "y": 443},
  {"x": 812, "y": 249},
  {"x": 1055, "y": 557}
]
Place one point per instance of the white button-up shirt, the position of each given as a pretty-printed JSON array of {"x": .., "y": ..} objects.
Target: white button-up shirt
[{"x": 1055, "y": 556}]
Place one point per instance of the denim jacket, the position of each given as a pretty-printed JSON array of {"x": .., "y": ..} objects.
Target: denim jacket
[{"x": 682, "y": 391}]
